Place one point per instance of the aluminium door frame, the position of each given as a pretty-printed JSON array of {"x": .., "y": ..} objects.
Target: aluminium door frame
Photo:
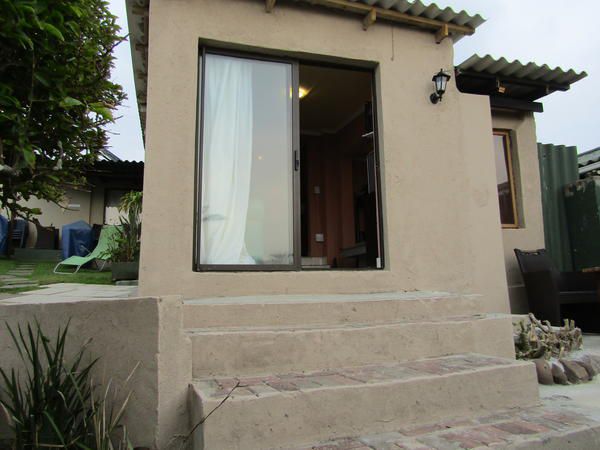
[{"x": 295, "y": 166}]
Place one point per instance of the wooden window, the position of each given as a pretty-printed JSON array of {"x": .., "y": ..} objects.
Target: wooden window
[{"x": 505, "y": 179}]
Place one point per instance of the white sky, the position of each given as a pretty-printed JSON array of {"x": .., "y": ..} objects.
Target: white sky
[{"x": 553, "y": 32}]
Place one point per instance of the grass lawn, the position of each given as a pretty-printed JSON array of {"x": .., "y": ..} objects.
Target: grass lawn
[
  {"x": 43, "y": 274},
  {"x": 6, "y": 265}
]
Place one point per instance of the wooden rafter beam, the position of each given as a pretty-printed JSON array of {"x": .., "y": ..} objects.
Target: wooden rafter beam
[
  {"x": 369, "y": 19},
  {"x": 269, "y": 5},
  {"x": 442, "y": 34},
  {"x": 393, "y": 16}
]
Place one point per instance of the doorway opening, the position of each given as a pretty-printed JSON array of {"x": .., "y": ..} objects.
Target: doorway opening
[{"x": 338, "y": 185}]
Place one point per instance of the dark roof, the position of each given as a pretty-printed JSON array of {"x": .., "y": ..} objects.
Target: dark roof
[
  {"x": 589, "y": 162},
  {"x": 115, "y": 169},
  {"x": 489, "y": 76},
  {"x": 589, "y": 157}
]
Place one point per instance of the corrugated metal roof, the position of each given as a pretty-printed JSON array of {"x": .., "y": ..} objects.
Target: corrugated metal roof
[
  {"x": 589, "y": 157},
  {"x": 516, "y": 69},
  {"x": 431, "y": 11}
]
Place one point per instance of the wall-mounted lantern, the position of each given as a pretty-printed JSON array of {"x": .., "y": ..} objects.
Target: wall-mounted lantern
[{"x": 440, "y": 81}]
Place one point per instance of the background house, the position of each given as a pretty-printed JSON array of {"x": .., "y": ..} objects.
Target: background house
[
  {"x": 514, "y": 89},
  {"x": 96, "y": 203}
]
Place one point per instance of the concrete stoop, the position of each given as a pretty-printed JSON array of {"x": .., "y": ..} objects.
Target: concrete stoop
[
  {"x": 317, "y": 368},
  {"x": 549, "y": 426},
  {"x": 284, "y": 409}
]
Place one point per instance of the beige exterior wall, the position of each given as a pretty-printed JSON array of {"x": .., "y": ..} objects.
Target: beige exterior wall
[
  {"x": 530, "y": 233},
  {"x": 441, "y": 221},
  {"x": 53, "y": 215},
  {"x": 123, "y": 333}
]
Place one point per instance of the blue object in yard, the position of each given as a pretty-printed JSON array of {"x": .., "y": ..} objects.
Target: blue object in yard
[
  {"x": 76, "y": 239},
  {"x": 3, "y": 234}
]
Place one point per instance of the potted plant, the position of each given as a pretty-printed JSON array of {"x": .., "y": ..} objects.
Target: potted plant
[{"x": 124, "y": 251}]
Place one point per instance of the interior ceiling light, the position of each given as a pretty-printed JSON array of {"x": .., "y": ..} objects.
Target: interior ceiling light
[{"x": 303, "y": 92}]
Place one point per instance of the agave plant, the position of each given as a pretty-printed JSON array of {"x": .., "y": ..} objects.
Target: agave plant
[{"x": 53, "y": 403}]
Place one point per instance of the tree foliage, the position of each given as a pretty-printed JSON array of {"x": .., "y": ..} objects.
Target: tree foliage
[{"x": 55, "y": 95}]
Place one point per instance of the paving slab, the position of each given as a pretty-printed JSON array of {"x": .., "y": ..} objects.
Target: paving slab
[
  {"x": 14, "y": 280},
  {"x": 72, "y": 292}
]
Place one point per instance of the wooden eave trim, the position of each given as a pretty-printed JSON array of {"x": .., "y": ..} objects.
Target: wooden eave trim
[
  {"x": 369, "y": 19},
  {"x": 442, "y": 34},
  {"x": 393, "y": 16},
  {"x": 515, "y": 104}
]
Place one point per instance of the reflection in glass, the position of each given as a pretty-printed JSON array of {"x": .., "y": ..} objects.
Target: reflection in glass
[{"x": 247, "y": 182}]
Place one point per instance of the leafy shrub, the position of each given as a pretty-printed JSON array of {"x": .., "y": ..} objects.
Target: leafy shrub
[
  {"x": 126, "y": 244},
  {"x": 54, "y": 403}
]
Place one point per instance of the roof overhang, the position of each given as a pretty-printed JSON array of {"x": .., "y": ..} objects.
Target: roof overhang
[
  {"x": 138, "y": 21},
  {"x": 512, "y": 85},
  {"x": 589, "y": 161},
  {"x": 442, "y": 23}
]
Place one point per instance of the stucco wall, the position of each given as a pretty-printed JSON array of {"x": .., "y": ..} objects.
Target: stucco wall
[
  {"x": 530, "y": 234},
  {"x": 53, "y": 214},
  {"x": 90, "y": 210},
  {"x": 441, "y": 225},
  {"x": 123, "y": 332}
]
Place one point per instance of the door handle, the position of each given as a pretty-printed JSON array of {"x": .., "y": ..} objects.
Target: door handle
[{"x": 296, "y": 161}]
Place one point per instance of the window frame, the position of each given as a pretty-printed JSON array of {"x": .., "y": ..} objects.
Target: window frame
[
  {"x": 225, "y": 50},
  {"x": 509, "y": 161}
]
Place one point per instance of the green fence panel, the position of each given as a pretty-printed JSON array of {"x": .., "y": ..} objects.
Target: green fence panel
[
  {"x": 582, "y": 204},
  {"x": 558, "y": 167}
]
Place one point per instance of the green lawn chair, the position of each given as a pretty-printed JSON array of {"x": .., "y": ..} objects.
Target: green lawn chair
[{"x": 107, "y": 234}]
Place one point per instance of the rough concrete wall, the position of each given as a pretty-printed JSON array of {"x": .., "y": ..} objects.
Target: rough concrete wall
[
  {"x": 440, "y": 219},
  {"x": 530, "y": 234},
  {"x": 123, "y": 332}
]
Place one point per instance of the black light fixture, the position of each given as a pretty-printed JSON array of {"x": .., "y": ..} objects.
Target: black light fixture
[{"x": 440, "y": 81}]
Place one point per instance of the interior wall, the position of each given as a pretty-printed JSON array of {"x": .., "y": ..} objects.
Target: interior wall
[
  {"x": 530, "y": 234},
  {"x": 329, "y": 166},
  {"x": 441, "y": 224}
]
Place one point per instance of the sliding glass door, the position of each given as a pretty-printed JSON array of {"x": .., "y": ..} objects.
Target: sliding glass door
[{"x": 245, "y": 217}]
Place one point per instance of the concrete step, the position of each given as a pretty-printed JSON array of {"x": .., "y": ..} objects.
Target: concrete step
[
  {"x": 291, "y": 409},
  {"x": 281, "y": 310},
  {"x": 259, "y": 350},
  {"x": 545, "y": 427}
]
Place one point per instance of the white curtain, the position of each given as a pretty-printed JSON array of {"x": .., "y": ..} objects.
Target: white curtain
[{"x": 226, "y": 160}]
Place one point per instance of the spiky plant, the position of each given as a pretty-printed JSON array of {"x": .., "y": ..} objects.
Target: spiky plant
[{"x": 52, "y": 402}]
